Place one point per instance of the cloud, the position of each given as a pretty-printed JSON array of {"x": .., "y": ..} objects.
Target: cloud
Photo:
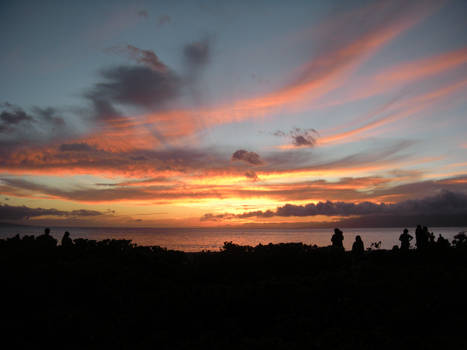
[
  {"x": 299, "y": 137},
  {"x": 303, "y": 137},
  {"x": 21, "y": 129},
  {"x": 143, "y": 14},
  {"x": 442, "y": 205},
  {"x": 248, "y": 157},
  {"x": 132, "y": 159},
  {"x": 250, "y": 174},
  {"x": 76, "y": 147},
  {"x": 12, "y": 117},
  {"x": 135, "y": 86},
  {"x": 162, "y": 20},
  {"x": 197, "y": 53},
  {"x": 8, "y": 212},
  {"x": 146, "y": 57}
]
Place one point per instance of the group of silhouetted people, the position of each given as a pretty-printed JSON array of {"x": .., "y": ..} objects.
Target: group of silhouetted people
[
  {"x": 337, "y": 240},
  {"x": 47, "y": 241},
  {"x": 423, "y": 240}
]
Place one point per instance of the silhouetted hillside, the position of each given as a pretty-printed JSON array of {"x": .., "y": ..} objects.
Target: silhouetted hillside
[{"x": 114, "y": 294}]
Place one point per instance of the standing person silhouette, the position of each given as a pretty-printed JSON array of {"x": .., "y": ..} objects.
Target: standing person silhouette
[
  {"x": 46, "y": 240},
  {"x": 66, "y": 240},
  {"x": 337, "y": 239},
  {"x": 421, "y": 237},
  {"x": 357, "y": 246},
  {"x": 405, "y": 239}
]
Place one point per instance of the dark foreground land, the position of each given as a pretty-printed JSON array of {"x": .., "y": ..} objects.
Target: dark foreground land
[{"x": 112, "y": 294}]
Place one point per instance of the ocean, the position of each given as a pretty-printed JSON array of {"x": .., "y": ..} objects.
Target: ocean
[{"x": 198, "y": 239}]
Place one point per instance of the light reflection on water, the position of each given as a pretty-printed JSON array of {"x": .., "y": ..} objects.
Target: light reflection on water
[{"x": 197, "y": 239}]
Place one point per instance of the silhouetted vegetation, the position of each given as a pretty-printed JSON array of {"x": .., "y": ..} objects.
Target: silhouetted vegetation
[{"x": 115, "y": 294}]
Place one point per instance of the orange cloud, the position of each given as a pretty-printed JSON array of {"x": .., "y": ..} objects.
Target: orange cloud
[
  {"x": 322, "y": 74},
  {"x": 406, "y": 109}
]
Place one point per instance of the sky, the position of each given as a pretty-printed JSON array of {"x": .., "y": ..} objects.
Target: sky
[{"x": 229, "y": 113}]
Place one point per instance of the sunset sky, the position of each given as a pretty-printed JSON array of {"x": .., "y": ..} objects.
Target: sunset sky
[{"x": 214, "y": 113}]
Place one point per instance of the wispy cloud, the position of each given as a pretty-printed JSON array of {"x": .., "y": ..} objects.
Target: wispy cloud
[
  {"x": 14, "y": 213},
  {"x": 146, "y": 57}
]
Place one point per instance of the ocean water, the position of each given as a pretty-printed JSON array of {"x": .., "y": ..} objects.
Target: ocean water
[{"x": 198, "y": 239}]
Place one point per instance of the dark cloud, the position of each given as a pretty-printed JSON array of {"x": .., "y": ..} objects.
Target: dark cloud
[
  {"x": 143, "y": 13},
  {"x": 250, "y": 174},
  {"x": 12, "y": 117},
  {"x": 162, "y": 20},
  {"x": 197, "y": 53},
  {"x": 136, "y": 86},
  {"x": 8, "y": 212},
  {"x": 443, "y": 205},
  {"x": 249, "y": 157},
  {"x": 146, "y": 57},
  {"x": 19, "y": 129},
  {"x": 76, "y": 147},
  {"x": 300, "y": 137},
  {"x": 49, "y": 115}
]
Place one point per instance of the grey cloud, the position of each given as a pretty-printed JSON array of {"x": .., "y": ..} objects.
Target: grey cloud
[
  {"x": 19, "y": 128},
  {"x": 50, "y": 116},
  {"x": 12, "y": 116},
  {"x": 8, "y": 212},
  {"x": 76, "y": 147},
  {"x": 197, "y": 53},
  {"x": 143, "y": 13},
  {"x": 146, "y": 57},
  {"x": 162, "y": 20},
  {"x": 445, "y": 203},
  {"x": 133, "y": 86},
  {"x": 299, "y": 137},
  {"x": 250, "y": 174},
  {"x": 249, "y": 157}
]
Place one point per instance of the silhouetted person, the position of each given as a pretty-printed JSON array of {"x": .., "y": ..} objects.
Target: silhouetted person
[
  {"x": 418, "y": 235},
  {"x": 46, "y": 240},
  {"x": 431, "y": 239},
  {"x": 405, "y": 239},
  {"x": 66, "y": 240},
  {"x": 357, "y": 246},
  {"x": 337, "y": 239},
  {"x": 421, "y": 237}
]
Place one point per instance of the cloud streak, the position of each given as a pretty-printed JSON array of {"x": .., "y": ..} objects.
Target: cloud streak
[
  {"x": 15, "y": 213},
  {"x": 146, "y": 57}
]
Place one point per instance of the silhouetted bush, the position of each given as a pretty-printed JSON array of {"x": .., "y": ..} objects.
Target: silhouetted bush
[{"x": 460, "y": 240}]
